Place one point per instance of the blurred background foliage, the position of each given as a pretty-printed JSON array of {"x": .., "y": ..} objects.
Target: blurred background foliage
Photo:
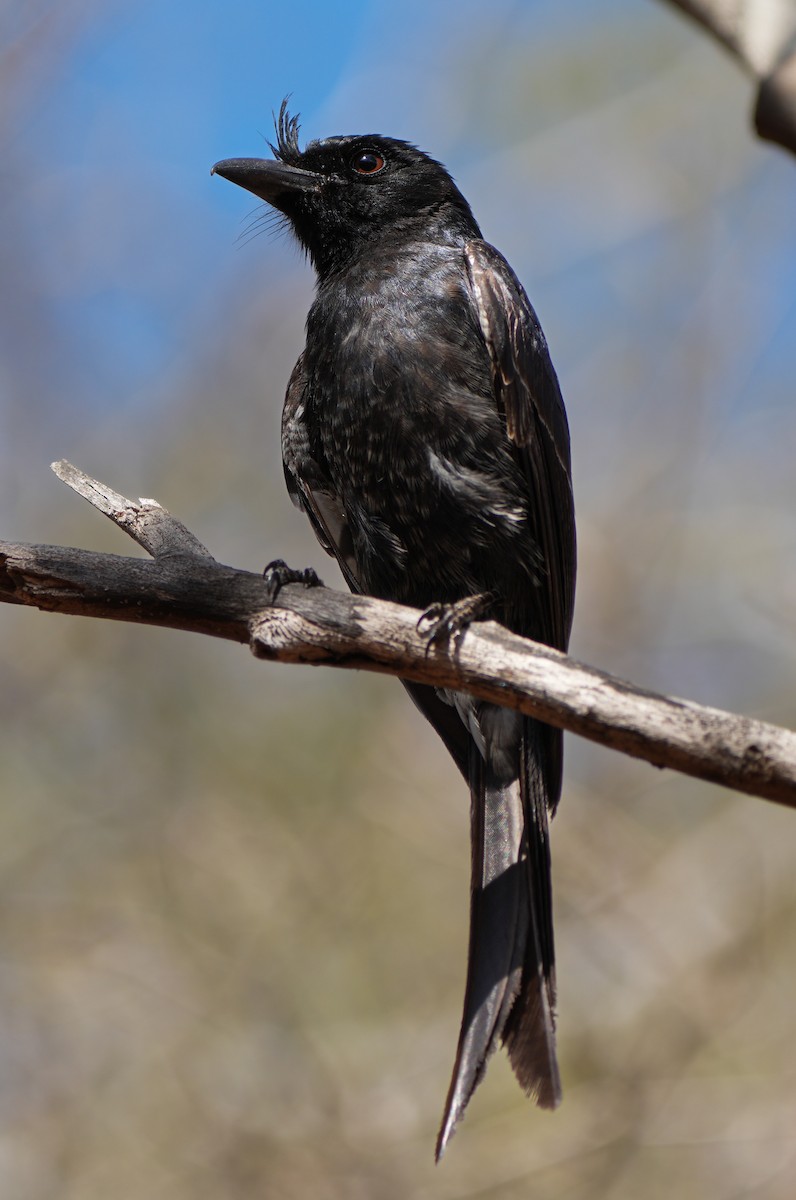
[{"x": 233, "y": 897}]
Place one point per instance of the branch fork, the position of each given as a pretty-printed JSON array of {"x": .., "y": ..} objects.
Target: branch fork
[{"x": 183, "y": 587}]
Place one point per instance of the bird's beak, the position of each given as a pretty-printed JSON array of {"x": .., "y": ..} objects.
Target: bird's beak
[{"x": 265, "y": 177}]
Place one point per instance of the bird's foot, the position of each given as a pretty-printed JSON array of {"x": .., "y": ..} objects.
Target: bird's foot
[
  {"x": 446, "y": 623},
  {"x": 278, "y": 573}
]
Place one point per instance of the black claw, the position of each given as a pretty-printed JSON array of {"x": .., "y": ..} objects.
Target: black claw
[
  {"x": 278, "y": 573},
  {"x": 443, "y": 623}
]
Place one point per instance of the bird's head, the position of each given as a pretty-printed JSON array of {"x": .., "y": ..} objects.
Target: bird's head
[{"x": 344, "y": 195}]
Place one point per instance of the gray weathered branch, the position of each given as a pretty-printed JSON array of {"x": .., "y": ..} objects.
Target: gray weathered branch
[
  {"x": 761, "y": 35},
  {"x": 183, "y": 587}
]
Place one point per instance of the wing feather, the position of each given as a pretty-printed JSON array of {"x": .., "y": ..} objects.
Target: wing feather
[{"x": 529, "y": 398}]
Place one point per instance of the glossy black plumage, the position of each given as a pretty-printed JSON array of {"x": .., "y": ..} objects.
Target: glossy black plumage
[{"x": 425, "y": 436}]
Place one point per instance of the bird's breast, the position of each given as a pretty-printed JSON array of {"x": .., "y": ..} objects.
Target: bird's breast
[{"x": 402, "y": 414}]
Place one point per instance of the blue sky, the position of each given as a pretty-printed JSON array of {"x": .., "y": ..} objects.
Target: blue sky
[
  {"x": 598, "y": 146},
  {"x": 114, "y": 152}
]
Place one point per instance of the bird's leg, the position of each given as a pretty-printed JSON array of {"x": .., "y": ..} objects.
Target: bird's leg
[
  {"x": 278, "y": 573},
  {"x": 443, "y": 623}
]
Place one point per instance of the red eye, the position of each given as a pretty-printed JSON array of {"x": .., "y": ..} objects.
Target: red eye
[{"x": 367, "y": 162}]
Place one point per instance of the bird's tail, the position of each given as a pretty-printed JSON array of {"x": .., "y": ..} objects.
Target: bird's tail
[
  {"x": 510, "y": 991},
  {"x": 529, "y": 1033}
]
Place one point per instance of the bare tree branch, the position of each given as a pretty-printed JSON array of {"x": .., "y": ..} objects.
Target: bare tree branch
[
  {"x": 183, "y": 587},
  {"x": 761, "y": 34},
  {"x": 146, "y": 521}
]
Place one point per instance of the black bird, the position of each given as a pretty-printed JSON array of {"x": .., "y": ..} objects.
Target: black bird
[{"x": 425, "y": 437}]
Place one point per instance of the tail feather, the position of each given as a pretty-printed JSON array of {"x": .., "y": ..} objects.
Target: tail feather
[
  {"x": 529, "y": 1034},
  {"x": 510, "y": 990}
]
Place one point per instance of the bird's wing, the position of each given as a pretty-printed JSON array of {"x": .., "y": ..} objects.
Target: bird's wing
[
  {"x": 527, "y": 394},
  {"x": 309, "y": 485},
  {"x": 510, "y": 990}
]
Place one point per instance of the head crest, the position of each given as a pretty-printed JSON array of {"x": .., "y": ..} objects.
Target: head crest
[{"x": 287, "y": 131}]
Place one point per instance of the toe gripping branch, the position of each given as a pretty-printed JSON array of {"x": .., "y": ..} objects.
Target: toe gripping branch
[
  {"x": 442, "y": 624},
  {"x": 278, "y": 573}
]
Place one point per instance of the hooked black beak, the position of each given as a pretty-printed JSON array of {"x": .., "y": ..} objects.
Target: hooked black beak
[{"x": 265, "y": 177}]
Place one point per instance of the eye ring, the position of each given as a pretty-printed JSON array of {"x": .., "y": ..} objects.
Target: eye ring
[{"x": 367, "y": 162}]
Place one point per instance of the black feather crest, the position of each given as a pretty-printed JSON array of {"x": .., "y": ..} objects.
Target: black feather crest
[{"x": 287, "y": 134}]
